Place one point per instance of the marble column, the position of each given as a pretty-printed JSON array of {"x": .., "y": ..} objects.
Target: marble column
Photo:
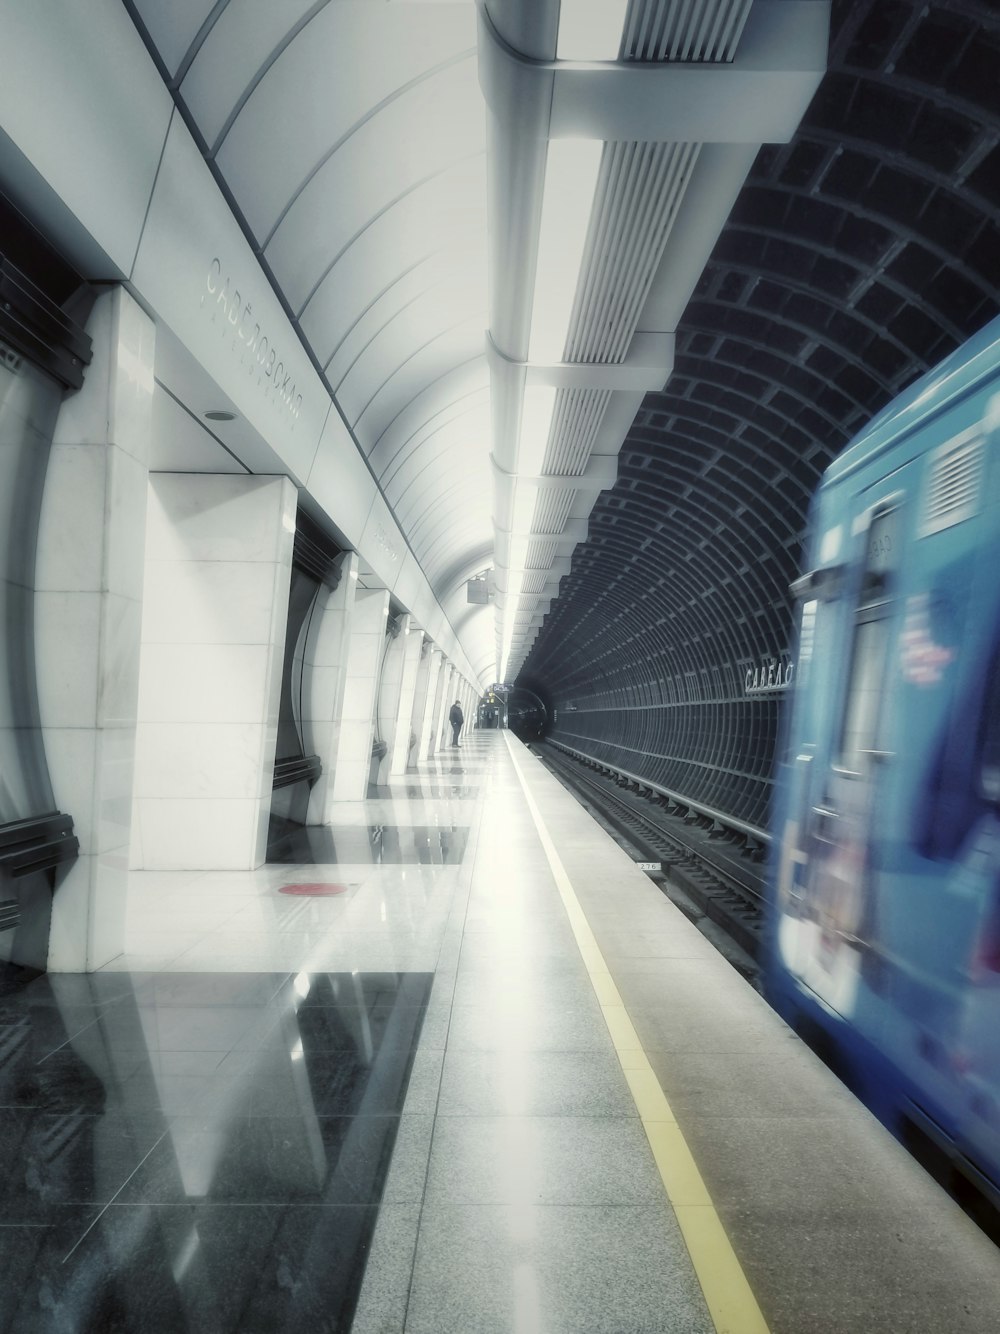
[
  {"x": 440, "y": 693},
  {"x": 464, "y": 703},
  {"x": 324, "y": 679},
  {"x": 218, "y": 567},
  {"x": 428, "y": 711},
  {"x": 354, "y": 746},
  {"x": 88, "y": 612},
  {"x": 442, "y": 733},
  {"x": 387, "y": 698},
  {"x": 404, "y": 729}
]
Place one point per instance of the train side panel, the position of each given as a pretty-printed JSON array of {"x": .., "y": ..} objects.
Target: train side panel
[{"x": 884, "y": 940}]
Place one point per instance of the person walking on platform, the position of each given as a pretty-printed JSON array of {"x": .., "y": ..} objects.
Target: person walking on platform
[{"x": 456, "y": 717}]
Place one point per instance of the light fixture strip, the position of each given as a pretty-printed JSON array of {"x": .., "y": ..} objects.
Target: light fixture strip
[
  {"x": 571, "y": 172},
  {"x": 590, "y": 29},
  {"x": 537, "y": 405},
  {"x": 523, "y": 507},
  {"x": 517, "y": 551}
]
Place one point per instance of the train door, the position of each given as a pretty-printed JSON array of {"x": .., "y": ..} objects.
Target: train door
[{"x": 840, "y": 849}]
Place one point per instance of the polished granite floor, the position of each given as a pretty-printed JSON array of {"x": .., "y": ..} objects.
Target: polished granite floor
[
  {"x": 197, "y": 1150},
  {"x": 397, "y": 845},
  {"x": 399, "y": 1109},
  {"x": 393, "y": 1108}
]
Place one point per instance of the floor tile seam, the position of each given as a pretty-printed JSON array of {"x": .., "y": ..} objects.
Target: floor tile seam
[
  {"x": 166, "y": 961},
  {"x": 223, "y": 1204},
  {"x": 202, "y": 940},
  {"x": 727, "y": 1293},
  {"x": 530, "y": 1116},
  {"x": 599, "y": 1206},
  {"x": 70, "y": 1039},
  {"x": 469, "y": 860},
  {"x": 102, "y": 1211}
]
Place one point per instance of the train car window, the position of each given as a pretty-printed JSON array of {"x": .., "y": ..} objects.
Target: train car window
[{"x": 871, "y": 641}]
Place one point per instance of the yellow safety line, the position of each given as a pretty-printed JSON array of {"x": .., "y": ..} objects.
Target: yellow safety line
[{"x": 730, "y": 1301}]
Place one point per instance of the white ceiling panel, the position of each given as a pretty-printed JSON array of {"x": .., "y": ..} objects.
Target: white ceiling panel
[
  {"x": 351, "y": 138},
  {"x": 396, "y": 367},
  {"x": 412, "y": 429},
  {"x": 464, "y": 433},
  {"x": 428, "y": 496},
  {"x": 445, "y": 215},
  {"x": 375, "y": 314},
  {"x": 408, "y": 146},
  {"x": 470, "y": 417},
  {"x": 462, "y": 498},
  {"x": 173, "y": 26},
  {"x": 241, "y": 46},
  {"x": 425, "y": 372},
  {"x": 336, "y": 73}
]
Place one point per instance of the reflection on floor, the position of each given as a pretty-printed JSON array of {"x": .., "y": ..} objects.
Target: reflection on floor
[
  {"x": 194, "y": 1139},
  {"x": 375, "y": 844},
  {"x": 136, "y": 1110},
  {"x": 377, "y": 791}
]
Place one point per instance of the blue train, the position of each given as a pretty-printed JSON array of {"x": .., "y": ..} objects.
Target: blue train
[{"x": 884, "y": 931}]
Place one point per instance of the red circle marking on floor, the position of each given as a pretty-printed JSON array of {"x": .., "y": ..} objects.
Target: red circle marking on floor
[{"x": 317, "y": 889}]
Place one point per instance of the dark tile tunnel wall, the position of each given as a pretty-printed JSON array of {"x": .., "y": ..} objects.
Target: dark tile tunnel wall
[{"x": 856, "y": 257}]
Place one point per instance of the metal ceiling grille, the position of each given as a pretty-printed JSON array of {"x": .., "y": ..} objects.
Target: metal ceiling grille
[
  {"x": 576, "y": 420},
  {"x": 638, "y": 192},
  {"x": 541, "y": 554},
  {"x": 534, "y": 582},
  {"x": 552, "y": 509},
  {"x": 954, "y": 485},
  {"x": 697, "y": 30}
]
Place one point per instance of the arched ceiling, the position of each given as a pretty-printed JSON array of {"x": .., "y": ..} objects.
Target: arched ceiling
[
  {"x": 353, "y": 141},
  {"x": 349, "y": 137},
  {"x": 856, "y": 257},
  {"x": 416, "y": 174}
]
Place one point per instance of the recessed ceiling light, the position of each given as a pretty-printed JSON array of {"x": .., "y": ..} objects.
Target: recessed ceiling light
[{"x": 218, "y": 415}]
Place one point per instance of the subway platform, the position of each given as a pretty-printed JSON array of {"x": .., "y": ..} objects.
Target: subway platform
[{"x": 451, "y": 1065}]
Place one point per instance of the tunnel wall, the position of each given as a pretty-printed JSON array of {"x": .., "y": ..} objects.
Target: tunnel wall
[
  {"x": 657, "y": 657},
  {"x": 856, "y": 257}
]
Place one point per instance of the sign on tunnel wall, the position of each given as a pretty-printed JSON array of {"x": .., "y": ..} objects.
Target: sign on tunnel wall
[{"x": 769, "y": 675}]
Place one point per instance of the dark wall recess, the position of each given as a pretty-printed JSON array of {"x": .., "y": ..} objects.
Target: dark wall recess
[
  {"x": 43, "y": 355},
  {"x": 316, "y": 572}
]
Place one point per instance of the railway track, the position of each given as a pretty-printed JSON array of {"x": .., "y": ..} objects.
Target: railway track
[
  {"x": 707, "y": 869},
  {"x": 724, "y": 881}
]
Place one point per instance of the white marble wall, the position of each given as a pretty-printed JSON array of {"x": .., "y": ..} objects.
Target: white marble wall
[
  {"x": 354, "y": 745},
  {"x": 405, "y": 725},
  {"x": 218, "y": 566},
  {"x": 324, "y": 679},
  {"x": 433, "y": 659},
  {"x": 88, "y": 608}
]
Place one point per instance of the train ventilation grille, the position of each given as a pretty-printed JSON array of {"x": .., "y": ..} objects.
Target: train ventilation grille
[{"x": 954, "y": 485}]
